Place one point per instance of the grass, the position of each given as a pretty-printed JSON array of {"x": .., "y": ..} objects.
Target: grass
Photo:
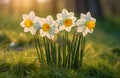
[{"x": 101, "y": 60}]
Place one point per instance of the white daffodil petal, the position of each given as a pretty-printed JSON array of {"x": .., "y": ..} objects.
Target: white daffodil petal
[
  {"x": 61, "y": 28},
  {"x": 74, "y": 19},
  {"x": 80, "y": 22},
  {"x": 26, "y": 29},
  {"x": 59, "y": 16},
  {"x": 93, "y": 19},
  {"x": 64, "y": 11},
  {"x": 32, "y": 14},
  {"x": 82, "y": 16},
  {"x": 36, "y": 19},
  {"x": 25, "y": 17},
  {"x": 50, "y": 36},
  {"x": 85, "y": 32},
  {"x": 49, "y": 17},
  {"x": 68, "y": 29},
  {"x": 33, "y": 31},
  {"x": 73, "y": 24},
  {"x": 71, "y": 14},
  {"x": 56, "y": 30},
  {"x": 80, "y": 29},
  {"x": 22, "y": 24},
  {"x": 42, "y": 34},
  {"x": 56, "y": 24},
  {"x": 88, "y": 14},
  {"x": 42, "y": 21},
  {"x": 49, "y": 20},
  {"x": 91, "y": 31}
]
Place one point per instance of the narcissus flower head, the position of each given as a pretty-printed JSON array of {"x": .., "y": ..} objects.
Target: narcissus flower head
[
  {"x": 66, "y": 20},
  {"x": 85, "y": 24},
  {"x": 30, "y": 23},
  {"x": 48, "y": 27}
]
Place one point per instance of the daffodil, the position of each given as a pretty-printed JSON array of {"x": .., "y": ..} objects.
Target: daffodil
[
  {"x": 48, "y": 27},
  {"x": 85, "y": 24},
  {"x": 66, "y": 20},
  {"x": 30, "y": 23}
]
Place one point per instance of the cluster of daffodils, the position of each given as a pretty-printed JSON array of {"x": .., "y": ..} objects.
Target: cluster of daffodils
[
  {"x": 65, "y": 53},
  {"x": 65, "y": 21}
]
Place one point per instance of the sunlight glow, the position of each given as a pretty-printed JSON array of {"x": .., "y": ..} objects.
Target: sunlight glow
[
  {"x": 43, "y": 1},
  {"x": 6, "y": 1}
]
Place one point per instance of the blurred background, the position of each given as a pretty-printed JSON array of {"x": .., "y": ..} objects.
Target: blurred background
[
  {"x": 102, "y": 51},
  {"x": 106, "y": 8}
]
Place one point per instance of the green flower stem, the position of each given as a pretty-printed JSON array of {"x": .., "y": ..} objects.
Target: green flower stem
[
  {"x": 46, "y": 48},
  {"x": 59, "y": 52},
  {"x": 53, "y": 52},
  {"x": 82, "y": 50},
  {"x": 64, "y": 51},
  {"x": 37, "y": 49},
  {"x": 74, "y": 52},
  {"x": 77, "y": 51},
  {"x": 40, "y": 49},
  {"x": 68, "y": 46},
  {"x": 73, "y": 47}
]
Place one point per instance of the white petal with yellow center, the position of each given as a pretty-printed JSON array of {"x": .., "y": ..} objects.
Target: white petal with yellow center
[
  {"x": 49, "y": 27},
  {"x": 30, "y": 23},
  {"x": 66, "y": 20},
  {"x": 85, "y": 24}
]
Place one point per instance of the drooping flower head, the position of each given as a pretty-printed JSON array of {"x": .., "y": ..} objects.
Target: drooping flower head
[
  {"x": 48, "y": 27},
  {"x": 30, "y": 23},
  {"x": 66, "y": 20},
  {"x": 85, "y": 24}
]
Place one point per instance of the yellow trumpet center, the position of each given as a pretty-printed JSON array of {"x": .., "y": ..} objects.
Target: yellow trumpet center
[
  {"x": 28, "y": 23},
  {"x": 68, "y": 22},
  {"x": 46, "y": 27},
  {"x": 90, "y": 24}
]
